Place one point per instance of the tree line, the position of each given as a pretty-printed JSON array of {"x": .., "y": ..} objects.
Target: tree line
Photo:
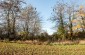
[
  {"x": 18, "y": 23},
  {"x": 70, "y": 21}
]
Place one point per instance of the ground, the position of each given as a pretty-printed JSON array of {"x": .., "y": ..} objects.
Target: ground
[{"x": 28, "y": 49}]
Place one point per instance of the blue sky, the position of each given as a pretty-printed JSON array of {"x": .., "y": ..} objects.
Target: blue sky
[{"x": 44, "y": 7}]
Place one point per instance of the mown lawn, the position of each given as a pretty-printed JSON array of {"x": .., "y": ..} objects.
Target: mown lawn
[{"x": 26, "y": 49}]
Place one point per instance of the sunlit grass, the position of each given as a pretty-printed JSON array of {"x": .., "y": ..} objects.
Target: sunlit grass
[{"x": 26, "y": 49}]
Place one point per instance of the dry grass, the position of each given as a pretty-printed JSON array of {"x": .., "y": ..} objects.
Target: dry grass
[{"x": 26, "y": 49}]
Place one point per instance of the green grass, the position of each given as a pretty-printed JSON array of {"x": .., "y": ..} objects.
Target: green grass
[{"x": 26, "y": 49}]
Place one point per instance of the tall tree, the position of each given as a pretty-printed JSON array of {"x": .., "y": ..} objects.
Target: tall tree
[
  {"x": 70, "y": 13},
  {"x": 81, "y": 13},
  {"x": 11, "y": 9},
  {"x": 32, "y": 21},
  {"x": 58, "y": 17}
]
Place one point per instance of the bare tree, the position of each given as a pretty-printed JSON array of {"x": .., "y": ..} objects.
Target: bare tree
[
  {"x": 32, "y": 24},
  {"x": 11, "y": 9},
  {"x": 58, "y": 17},
  {"x": 70, "y": 13}
]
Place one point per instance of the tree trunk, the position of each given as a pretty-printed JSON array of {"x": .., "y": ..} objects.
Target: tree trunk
[
  {"x": 8, "y": 25},
  {"x": 70, "y": 26}
]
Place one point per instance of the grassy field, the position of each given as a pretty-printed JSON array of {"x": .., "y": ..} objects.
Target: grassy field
[{"x": 26, "y": 49}]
